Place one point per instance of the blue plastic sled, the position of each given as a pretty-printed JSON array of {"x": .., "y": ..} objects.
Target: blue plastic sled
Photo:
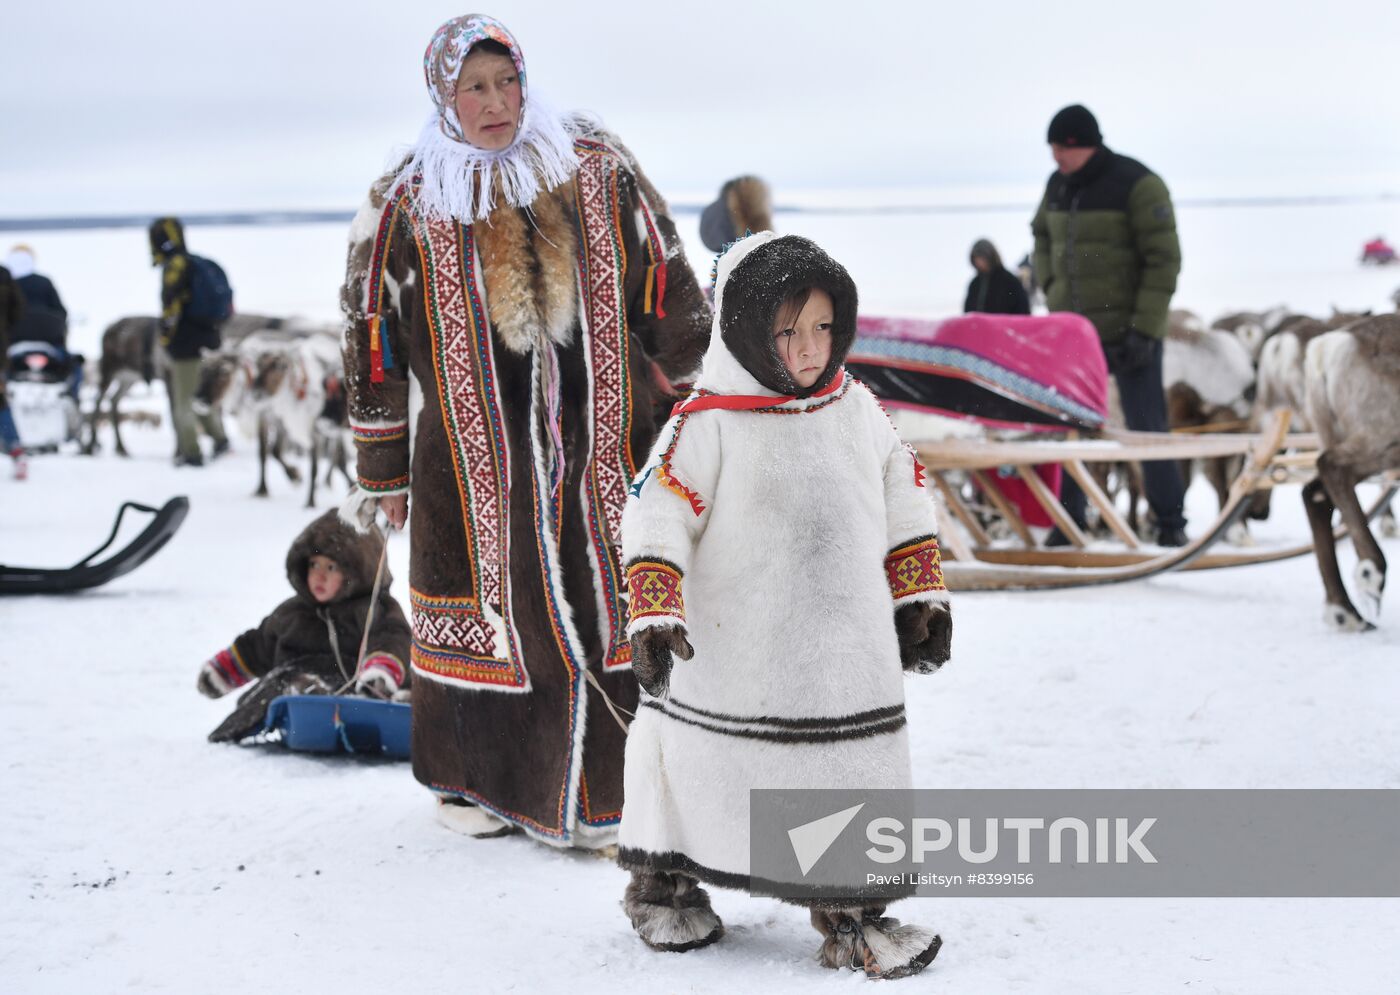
[{"x": 325, "y": 723}]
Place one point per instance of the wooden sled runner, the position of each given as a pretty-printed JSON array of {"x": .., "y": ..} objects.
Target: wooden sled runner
[
  {"x": 1044, "y": 378},
  {"x": 974, "y": 563}
]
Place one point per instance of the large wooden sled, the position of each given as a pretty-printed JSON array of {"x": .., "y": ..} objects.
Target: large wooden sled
[
  {"x": 973, "y": 561},
  {"x": 1044, "y": 378}
]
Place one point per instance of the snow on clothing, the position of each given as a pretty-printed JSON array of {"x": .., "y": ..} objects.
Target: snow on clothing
[
  {"x": 540, "y": 334},
  {"x": 781, "y": 532},
  {"x": 1106, "y": 246},
  {"x": 324, "y": 639}
]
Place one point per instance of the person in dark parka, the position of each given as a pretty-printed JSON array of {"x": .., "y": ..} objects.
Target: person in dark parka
[
  {"x": 995, "y": 289},
  {"x": 1106, "y": 247},
  {"x": 45, "y": 318},
  {"x": 311, "y": 641}
]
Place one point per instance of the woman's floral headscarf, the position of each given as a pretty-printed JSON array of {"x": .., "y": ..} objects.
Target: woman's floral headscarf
[
  {"x": 442, "y": 63},
  {"x": 456, "y": 180}
]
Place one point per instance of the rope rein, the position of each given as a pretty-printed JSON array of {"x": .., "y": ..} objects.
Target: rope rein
[{"x": 369, "y": 616}]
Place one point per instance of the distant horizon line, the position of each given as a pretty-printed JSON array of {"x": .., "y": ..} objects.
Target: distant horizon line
[{"x": 263, "y": 218}]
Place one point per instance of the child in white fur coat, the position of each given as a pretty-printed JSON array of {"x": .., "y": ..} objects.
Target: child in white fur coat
[{"x": 783, "y": 573}]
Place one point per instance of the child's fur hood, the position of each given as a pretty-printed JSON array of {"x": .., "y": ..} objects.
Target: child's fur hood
[
  {"x": 356, "y": 553},
  {"x": 752, "y": 279}
]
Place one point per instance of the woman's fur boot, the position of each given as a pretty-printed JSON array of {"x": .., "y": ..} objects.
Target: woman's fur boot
[
  {"x": 671, "y": 911},
  {"x": 868, "y": 940}
]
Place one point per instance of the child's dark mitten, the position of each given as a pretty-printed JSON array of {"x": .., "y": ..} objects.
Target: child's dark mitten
[
  {"x": 925, "y": 636},
  {"x": 652, "y": 651},
  {"x": 221, "y": 673},
  {"x": 212, "y": 683}
]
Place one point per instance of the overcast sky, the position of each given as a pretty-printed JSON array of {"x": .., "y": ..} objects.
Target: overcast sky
[{"x": 154, "y": 105}]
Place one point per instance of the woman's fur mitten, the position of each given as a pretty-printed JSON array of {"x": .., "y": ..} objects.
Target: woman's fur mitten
[
  {"x": 925, "y": 635},
  {"x": 652, "y": 651}
]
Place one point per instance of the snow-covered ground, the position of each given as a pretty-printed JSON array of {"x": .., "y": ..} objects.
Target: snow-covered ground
[{"x": 136, "y": 856}]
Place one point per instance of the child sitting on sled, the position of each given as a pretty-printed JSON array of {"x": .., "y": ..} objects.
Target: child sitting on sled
[
  {"x": 310, "y": 644},
  {"x": 783, "y": 574}
]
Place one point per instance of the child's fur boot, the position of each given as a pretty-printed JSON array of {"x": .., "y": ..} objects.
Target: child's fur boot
[
  {"x": 868, "y": 940},
  {"x": 671, "y": 911}
]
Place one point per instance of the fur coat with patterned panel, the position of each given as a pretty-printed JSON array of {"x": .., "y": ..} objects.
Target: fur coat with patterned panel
[
  {"x": 782, "y": 533},
  {"x": 544, "y": 340}
]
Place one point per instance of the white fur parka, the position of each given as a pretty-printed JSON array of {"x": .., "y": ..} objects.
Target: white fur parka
[{"x": 781, "y": 537}]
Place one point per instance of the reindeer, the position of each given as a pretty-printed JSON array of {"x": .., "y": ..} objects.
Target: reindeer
[
  {"x": 1351, "y": 382},
  {"x": 289, "y": 395},
  {"x": 1209, "y": 380},
  {"x": 1282, "y": 380},
  {"x": 1253, "y": 328},
  {"x": 131, "y": 352}
]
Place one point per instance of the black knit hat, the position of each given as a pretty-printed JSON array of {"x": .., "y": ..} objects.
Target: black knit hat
[{"x": 1076, "y": 127}]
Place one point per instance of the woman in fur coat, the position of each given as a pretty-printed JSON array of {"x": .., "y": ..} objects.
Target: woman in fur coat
[
  {"x": 311, "y": 642},
  {"x": 523, "y": 272},
  {"x": 784, "y": 572}
]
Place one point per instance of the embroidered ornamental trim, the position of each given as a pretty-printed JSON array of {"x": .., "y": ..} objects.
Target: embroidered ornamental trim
[
  {"x": 384, "y": 486},
  {"x": 654, "y": 588},
  {"x": 379, "y": 433},
  {"x": 668, "y": 480},
  {"x": 915, "y": 568},
  {"x": 602, "y": 269},
  {"x": 453, "y": 637}
]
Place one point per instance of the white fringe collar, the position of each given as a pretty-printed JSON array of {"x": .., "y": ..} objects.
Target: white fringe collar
[{"x": 460, "y": 181}]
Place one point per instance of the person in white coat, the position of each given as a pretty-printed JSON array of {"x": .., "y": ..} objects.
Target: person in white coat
[{"x": 783, "y": 572}]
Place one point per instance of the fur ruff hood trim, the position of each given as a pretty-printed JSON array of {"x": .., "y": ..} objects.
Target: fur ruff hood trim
[
  {"x": 751, "y": 280},
  {"x": 356, "y": 553}
]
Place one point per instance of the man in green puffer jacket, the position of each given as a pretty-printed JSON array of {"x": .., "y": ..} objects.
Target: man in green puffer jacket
[{"x": 1106, "y": 248}]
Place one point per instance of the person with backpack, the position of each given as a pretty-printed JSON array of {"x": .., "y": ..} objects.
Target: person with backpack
[{"x": 196, "y": 300}]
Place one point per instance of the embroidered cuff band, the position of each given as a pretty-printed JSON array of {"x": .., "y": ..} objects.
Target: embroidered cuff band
[
  {"x": 654, "y": 590},
  {"x": 915, "y": 568},
  {"x": 231, "y": 668},
  {"x": 388, "y": 664}
]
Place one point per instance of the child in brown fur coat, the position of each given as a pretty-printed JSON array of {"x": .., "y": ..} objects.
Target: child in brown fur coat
[{"x": 311, "y": 642}]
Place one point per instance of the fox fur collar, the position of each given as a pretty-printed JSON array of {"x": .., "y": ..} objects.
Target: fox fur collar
[{"x": 528, "y": 259}]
